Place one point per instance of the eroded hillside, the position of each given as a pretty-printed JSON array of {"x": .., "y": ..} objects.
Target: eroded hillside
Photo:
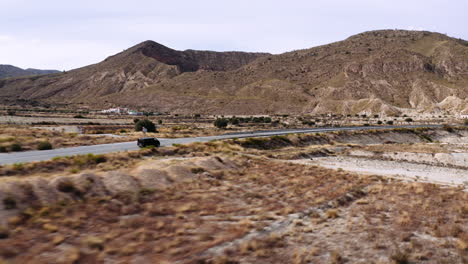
[{"x": 387, "y": 71}]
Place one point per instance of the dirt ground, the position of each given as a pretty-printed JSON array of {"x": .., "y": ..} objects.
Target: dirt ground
[{"x": 239, "y": 201}]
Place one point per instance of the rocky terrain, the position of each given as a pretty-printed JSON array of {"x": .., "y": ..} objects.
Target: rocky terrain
[
  {"x": 255, "y": 200},
  {"x": 12, "y": 71},
  {"x": 386, "y": 72}
]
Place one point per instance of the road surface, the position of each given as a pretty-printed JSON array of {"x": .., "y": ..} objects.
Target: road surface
[{"x": 30, "y": 156}]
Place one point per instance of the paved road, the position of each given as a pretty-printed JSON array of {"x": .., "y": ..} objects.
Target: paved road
[{"x": 29, "y": 156}]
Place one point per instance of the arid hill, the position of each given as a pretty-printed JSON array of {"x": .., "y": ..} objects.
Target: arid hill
[
  {"x": 386, "y": 72},
  {"x": 12, "y": 71}
]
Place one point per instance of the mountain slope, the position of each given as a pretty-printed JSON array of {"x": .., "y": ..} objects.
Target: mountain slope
[
  {"x": 7, "y": 71},
  {"x": 385, "y": 72}
]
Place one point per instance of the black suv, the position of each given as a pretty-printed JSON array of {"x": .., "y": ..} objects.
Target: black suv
[{"x": 148, "y": 141}]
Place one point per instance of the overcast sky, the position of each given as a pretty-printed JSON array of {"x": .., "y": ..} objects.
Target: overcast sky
[{"x": 69, "y": 34}]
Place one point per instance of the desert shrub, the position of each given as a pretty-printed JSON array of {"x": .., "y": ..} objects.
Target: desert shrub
[
  {"x": 3, "y": 149},
  {"x": 160, "y": 121},
  {"x": 9, "y": 203},
  {"x": 4, "y": 232},
  {"x": 197, "y": 115},
  {"x": 197, "y": 170},
  {"x": 448, "y": 128},
  {"x": 309, "y": 123},
  {"x": 11, "y": 112},
  {"x": 135, "y": 120},
  {"x": 221, "y": 123},
  {"x": 123, "y": 131},
  {"x": 78, "y": 116},
  {"x": 150, "y": 126},
  {"x": 425, "y": 137},
  {"x": 389, "y": 122},
  {"x": 466, "y": 122},
  {"x": 234, "y": 121},
  {"x": 365, "y": 124},
  {"x": 44, "y": 145},
  {"x": 18, "y": 166},
  {"x": 409, "y": 120},
  {"x": 267, "y": 119},
  {"x": 16, "y": 147},
  {"x": 379, "y": 122}
]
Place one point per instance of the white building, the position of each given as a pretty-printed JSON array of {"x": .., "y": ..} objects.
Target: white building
[{"x": 117, "y": 110}]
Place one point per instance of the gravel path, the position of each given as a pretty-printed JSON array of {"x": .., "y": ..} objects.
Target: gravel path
[{"x": 399, "y": 169}]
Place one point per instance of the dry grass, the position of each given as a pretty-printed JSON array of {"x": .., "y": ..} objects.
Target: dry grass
[{"x": 29, "y": 138}]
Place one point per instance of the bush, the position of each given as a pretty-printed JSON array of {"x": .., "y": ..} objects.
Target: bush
[
  {"x": 3, "y": 149},
  {"x": 466, "y": 122},
  {"x": 409, "y": 119},
  {"x": 16, "y": 147},
  {"x": 389, "y": 122},
  {"x": 44, "y": 145},
  {"x": 78, "y": 116},
  {"x": 235, "y": 121},
  {"x": 379, "y": 122},
  {"x": 9, "y": 203},
  {"x": 136, "y": 120},
  {"x": 448, "y": 128},
  {"x": 150, "y": 126},
  {"x": 221, "y": 123}
]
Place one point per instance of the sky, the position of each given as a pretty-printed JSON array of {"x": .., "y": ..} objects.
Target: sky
[{"x": 52, "y": 34}]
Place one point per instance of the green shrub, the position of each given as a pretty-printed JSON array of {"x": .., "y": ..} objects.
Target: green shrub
[
  {"x": 135, "y": 120},
  {"x": 409, "y": 120},
  {"x": 150, "y": 126},
  {"x": 389, "y": 122},
  {"x": 16, "y": 147},
  {"x": 466, "y": 122},
  {"x": 3, "y": 149},
  {"x": 78, "y": 116},
  {"x": 44, "y": 145},
  {"x": 221, "y": 123},
  {"x": 379, "y": 122}
]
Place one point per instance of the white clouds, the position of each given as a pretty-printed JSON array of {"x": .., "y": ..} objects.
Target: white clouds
[{"x": 35, "y": 53}]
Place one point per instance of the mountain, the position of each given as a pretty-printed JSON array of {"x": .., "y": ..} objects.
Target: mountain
[
  {"x": 7, "y": 71},
  {"x": 376, "y": 72}
]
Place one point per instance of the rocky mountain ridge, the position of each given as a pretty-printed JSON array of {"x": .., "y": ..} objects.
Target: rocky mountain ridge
[{"x": 376, "y": 72}]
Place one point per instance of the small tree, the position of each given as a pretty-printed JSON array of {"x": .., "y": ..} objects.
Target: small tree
[
  {"x": 150, "y": 126},
  {"x": 221, "y": 123}
]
